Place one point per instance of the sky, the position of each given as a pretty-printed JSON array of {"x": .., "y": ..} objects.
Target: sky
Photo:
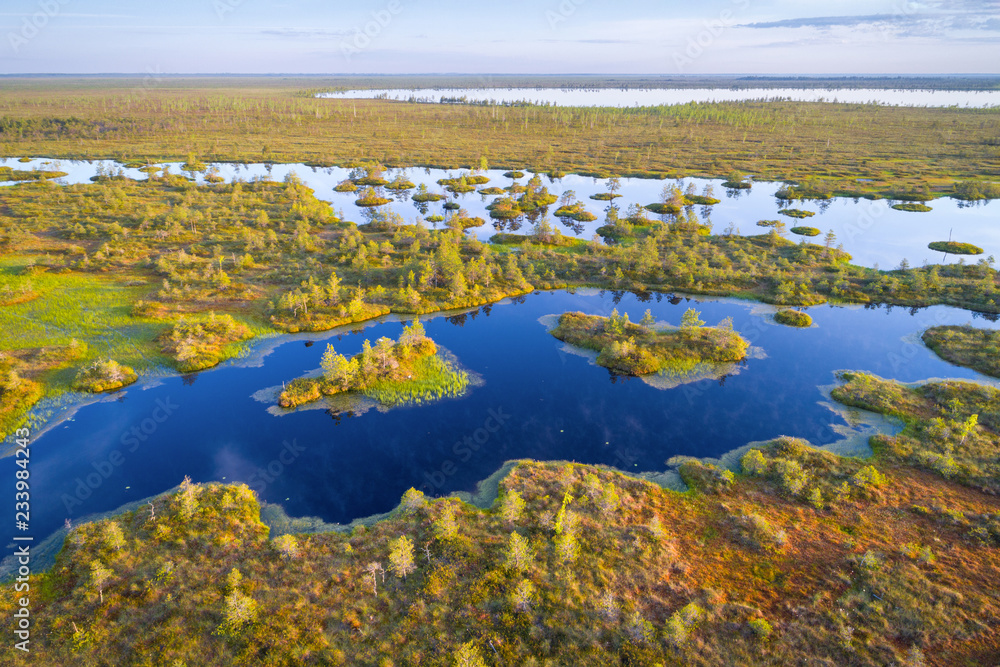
[{"x": 515, "y": 36}]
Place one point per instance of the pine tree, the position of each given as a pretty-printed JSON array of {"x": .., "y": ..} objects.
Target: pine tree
[{"x": 401, "y": 557}]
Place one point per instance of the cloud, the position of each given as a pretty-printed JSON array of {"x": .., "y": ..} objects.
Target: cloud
[
  {"x": 826, "y": 21},
  {"x": 903, "y": 24},
  {"x": 76, "y": 16},
  {"x": 305, "y": 33}
]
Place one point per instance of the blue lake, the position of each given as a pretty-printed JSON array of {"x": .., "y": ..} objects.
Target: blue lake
[
  {"x": 539, "y": 401},
  {"x": 621, "y": 97}
]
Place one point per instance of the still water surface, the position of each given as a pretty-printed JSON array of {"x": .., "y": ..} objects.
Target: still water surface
[
  {"x": 550, "y": 404},
  {"x": 615, "y": 97}
]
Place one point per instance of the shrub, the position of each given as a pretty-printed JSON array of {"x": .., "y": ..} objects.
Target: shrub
[
  {"x": 104, "y": 375},
  {"x": 511, "y": 507},
  {"x": 522, "y": 595},
  {"x": 401, "y": 557},
  {"x": 518, "y": 554},
  {"x": 413, "y": 500},
  {"x": 868, "y": 478},
  {"x": 705, "y": 476},
  {"x": 287, "y": 546},
  {"x": 793, "y": 477},
  {"x": 468, "y": 655},
  {"x": 240, "y": 611},
  {"x": 753, "y": 463},
  {"x": 638, "y": 628},
  {"x": 761, "y": 628},
  {"x": 758, "y": 533}
]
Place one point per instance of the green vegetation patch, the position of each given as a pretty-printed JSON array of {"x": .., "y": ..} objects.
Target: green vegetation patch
[
  {"x": 195, "y": 345},
  {"x": 399, "y": 184},
  {"x": 632, "y": 349},
  {"x": 805, "y": 231},
  {"x": 7, "y": 174},
  {"x": 701, "y": 200},
  {"x": 796, "y": 213},
  {"x": 371, "y": 199},
  {"x": 406, "y": 371},
  {"x": 952, "y": 427},
  {"x": 576, "y": 212},
  {"x": 978, "y": 349},
  {"x": 103, "y": 376},
  {"x": 664, "y": 209},
  {"x": 17, "y": 395},
  {"x": 793, "y": 318},
  {"x": 912, "y": 207},
  {"x": 90, "y": 308},
  {"x": 956, "y": 248}
]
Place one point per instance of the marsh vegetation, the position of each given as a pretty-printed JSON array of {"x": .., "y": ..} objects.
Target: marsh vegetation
[
  {"x": 400, "y": 372},
  {"x": 635, "y": 349}
]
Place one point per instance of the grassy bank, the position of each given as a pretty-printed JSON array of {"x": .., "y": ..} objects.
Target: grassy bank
[
  {"x": 978, "y": 349},
  {"x": 800, "y": 552}
]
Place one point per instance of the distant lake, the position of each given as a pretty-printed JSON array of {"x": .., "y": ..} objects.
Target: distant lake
[{"x": 608, "y": 97}]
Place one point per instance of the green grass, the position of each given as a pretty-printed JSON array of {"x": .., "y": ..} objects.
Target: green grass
[
  {"x": 433, "y": 379},
  {"x": 86, "y": 307}
]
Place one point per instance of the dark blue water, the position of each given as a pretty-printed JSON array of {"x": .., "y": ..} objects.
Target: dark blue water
[{"x": 537, "y": 402}]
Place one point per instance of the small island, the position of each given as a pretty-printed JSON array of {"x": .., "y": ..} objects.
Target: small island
[
  {"x": 805, "y": 231},
  {"x": 626, "y": 348},
  {"x": 978, "y": 349},
  {"x": 393, "y": 373},
  {"x": 793, "y": 318},
  {"x": 955, "y": 248},
  {"x": 912, "y": 207},
  {"x": 796, "y": 213}
]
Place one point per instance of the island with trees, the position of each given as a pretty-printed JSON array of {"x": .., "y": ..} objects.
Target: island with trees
[
  {"x": 639, "y": 349},
  {"x": 405, "y": 371}
]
